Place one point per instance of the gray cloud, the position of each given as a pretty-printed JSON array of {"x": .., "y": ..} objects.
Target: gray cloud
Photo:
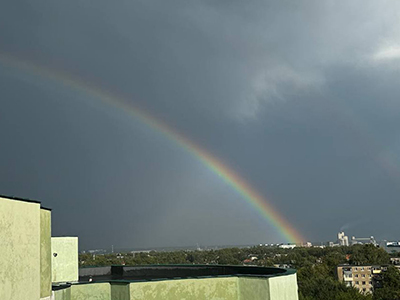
[{"x": 301, "y": 99}]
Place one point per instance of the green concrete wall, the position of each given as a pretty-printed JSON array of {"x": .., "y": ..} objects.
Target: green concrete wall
[
  {"x": 91, "y": 291},
  {"x": 222, "y": 288},
  {"x": 64, "y": 294},
  {"x": 65, "y": 263},
  {"x": 19, "y": 250},
  {"x": 120, "y": 291},
  {"x": 283, "y": 287},
  {"x": 186, "y": 289},
  {"x": 45, "y": 253},
  {"x": 255, "y": 288}
]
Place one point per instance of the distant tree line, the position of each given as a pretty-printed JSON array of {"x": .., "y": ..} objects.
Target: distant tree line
[{"x": 316, "y": 267}]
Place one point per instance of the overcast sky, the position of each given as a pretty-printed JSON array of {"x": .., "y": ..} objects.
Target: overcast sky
[{"x": 301, "y": 98}]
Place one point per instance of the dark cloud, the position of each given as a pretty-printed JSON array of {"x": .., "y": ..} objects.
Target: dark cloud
[{"x": 298, "y": 98}]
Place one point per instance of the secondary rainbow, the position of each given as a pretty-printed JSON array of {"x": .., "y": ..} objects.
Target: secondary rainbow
[{"x": 238, "y": 183}]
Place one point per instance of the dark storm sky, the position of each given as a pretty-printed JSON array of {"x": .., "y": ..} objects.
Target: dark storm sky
[{"x": 301, "y": 98}]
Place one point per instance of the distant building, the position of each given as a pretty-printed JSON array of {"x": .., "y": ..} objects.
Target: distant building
[
  {"x": 250, "y": 260},
  {"x": 395, "y": 260},
  {"x": 363, "y": 241},
  {"x": 287, "y": 246},
  {"x": 391, "y": 247},
  {"x": 359, "y": 277},
  {"x": 393, "y": 244},
  {"x": 283, "y": 266},
  {"x": 343, "y": 240},
  {"x": 365, "y": 278}
]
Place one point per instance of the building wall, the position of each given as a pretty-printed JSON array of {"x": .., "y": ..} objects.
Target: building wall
[
  {"x": 45, "y": 253},
  {"x": 222, "y": 288},
  {"x": 362, "y": 278},
  {"x": 91, "y": 291},
  {"x": 283, "y": 287},
  {"x": 273, "y": 288},
  {"x": 64, "y": 294},
  {"x": 120, "y": 291},
  {"x": 64, "y": 259},
  {"x": 253, "y": 288},
  {"x": 339, "y": 273},
  {"x": 19, "y": 250},
  {"x": 193, "y": 289}
]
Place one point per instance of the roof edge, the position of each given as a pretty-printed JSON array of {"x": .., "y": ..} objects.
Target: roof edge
[{"x": 20, "y": 199}]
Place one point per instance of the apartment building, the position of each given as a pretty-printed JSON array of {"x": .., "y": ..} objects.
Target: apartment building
[
  {"x": 360, "y": 277},
  {"x": 365, "y": 278}
]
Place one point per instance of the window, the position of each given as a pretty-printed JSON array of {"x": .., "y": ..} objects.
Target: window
[
  {"x": 363, "y": 282},
  {"x": 370, "y": 282},
  {"x": 355, "y": 268},
  {"x": 357, "y": 275},
  {"x": 357, "y": 282},
  {"x": 364, "y": 289},
  {"x": 362, "y": 269},
  {"x": 363, "y": 275}
]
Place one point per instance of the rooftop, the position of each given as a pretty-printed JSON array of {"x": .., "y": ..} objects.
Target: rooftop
[{"x": 167, "y": 272}]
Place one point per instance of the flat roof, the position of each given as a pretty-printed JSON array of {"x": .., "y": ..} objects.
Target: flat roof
[
  {"x": 154, "y": 273},
  {"x": 169, "y": 272}
]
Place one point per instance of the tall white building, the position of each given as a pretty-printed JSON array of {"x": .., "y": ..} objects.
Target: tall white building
[{"x": 343, "y": 240}]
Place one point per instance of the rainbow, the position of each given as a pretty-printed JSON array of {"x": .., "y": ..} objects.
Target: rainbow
[{"x": 248, "y": 193}]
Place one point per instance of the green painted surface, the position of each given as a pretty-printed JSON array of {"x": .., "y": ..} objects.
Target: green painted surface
[
  {"x": 64, "y": 294},
  {"x": 283, "y": 287},
  {"x": 220, "y": 288},
  {"x": 64, "y": 255},
  {"x": 45, "y": 253},
  {"x": 91, "y": 291},
  {"x": 20, "y": 250},
  {"x": 186, "y": 289},
  {"x": 256, "y": 288},
  {"x": 120, "y": 291}
]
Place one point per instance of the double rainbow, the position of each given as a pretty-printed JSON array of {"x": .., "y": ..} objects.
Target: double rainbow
[{"x": 238, "y": 183}]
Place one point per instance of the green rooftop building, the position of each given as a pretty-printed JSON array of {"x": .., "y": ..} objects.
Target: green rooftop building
[{"x": 35, "y": 266}]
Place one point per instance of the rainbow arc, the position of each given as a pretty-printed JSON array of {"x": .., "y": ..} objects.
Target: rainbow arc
[{"x": 238, "y": 183}]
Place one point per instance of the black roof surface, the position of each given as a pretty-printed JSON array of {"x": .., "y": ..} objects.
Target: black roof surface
[{"x": 167, "y": 272}]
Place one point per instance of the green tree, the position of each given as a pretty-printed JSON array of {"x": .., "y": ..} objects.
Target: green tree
[
  {"x": 369, "y": 255},
  {"x": 315, "y": 283},
  {"x": 390, "y": 289}
]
